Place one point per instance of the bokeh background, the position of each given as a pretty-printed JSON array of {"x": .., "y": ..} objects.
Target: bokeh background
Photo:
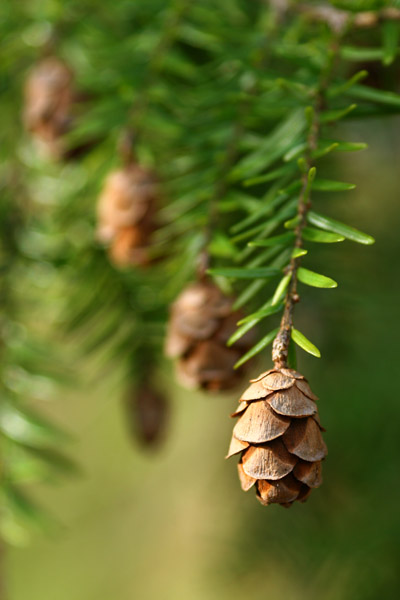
[{"x": 171, "y": 522}]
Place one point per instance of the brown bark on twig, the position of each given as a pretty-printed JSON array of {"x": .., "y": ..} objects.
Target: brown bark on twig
[{"x": 280, "y": 348}]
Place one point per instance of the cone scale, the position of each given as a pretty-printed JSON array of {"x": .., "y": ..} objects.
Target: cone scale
[{"x": 278, "y": 438}]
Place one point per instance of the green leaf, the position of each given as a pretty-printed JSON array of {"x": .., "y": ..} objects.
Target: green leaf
[
  {"x": 346, "y": 231},
  {"x": 304, "y": 343},
  {"x": 241, "y": 331},
  {"x": 390, "y": 35},
  {"x": 364, "y": 92},
  {"x": 309, "y": 113},
  {"x": 302, "y": 164},
  {"x": 272, "y": 199},
  {"x": 295, "y": 152},
  {"x": 345, "y": 146},
  {"x": 292, "y": 223},
  {"x": 55, "y": 459},
  {"x": 268, "y": 339},
  {"x": 281, "y": 288},
  {"x": 255, "y": 286},
  {"x": 315, "y": 279},
  {"x": 245, "y": 273},
  {"x": 337, "y": 90},
  {"x": 222, "y": 246},
  {"x": 323, "y": 237},
  {"x": 236, "y": 200},
  {"x": 197, "y": 37},
  {"x": 262, "y": 227},
  {"x": 267, "y": 227},
  {"x": 261, "y": 314},
  {"x": 329, "y": 116},
  {"x": 273, "y": 147},
  {"x": 24, "y": 507},
  {"x": 299, "y": 90},
  {"x": 324, "y": 149},
  {"x": 28, "y": 428},
  {"x": 270, "y": 205},
  {"x": 327, "y": 185},
  {"x": 293, "y": 187},
  {"x": 359, "y": 54},
  {"x": 262, "y": 257},
  {"x": 311, "y": 176},
  {"x": 275, "y": 174},
  {"x": 276, "y": 240},
  {"x": 297, "y": 252}
]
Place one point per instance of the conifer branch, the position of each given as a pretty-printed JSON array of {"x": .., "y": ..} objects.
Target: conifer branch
[
  {"x": 238, "y": 130},
  {"x": 280, "y": 347},
  {"x": 166, "y": 39}
]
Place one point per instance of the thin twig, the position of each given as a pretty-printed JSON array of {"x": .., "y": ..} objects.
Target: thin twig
[
  {"x": 280, "y": 348},
  {"x": 220, "y": 189}
]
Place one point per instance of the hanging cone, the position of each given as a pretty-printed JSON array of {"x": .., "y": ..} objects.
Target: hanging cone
[
  {"x": 147, "y": 414},
  {"x": 278, "y": 437},
  {"x": 126, "y": 214},
  {"x": 201, "y": 322},
  {"x": 51, "y": 106},
  {"x": 49, "y": 98}
]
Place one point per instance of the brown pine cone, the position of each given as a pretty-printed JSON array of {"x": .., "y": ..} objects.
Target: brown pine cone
[
  {"x": 201, "y": 322},
  {"x": 126, "y": 214},
  {"x": 278, "y": 436},
  {"x": 49, "y": 97},
  {"x": 147, "y": 414}
]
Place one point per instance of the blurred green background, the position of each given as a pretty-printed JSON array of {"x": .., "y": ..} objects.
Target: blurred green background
[{"x": 173, "y": 523}]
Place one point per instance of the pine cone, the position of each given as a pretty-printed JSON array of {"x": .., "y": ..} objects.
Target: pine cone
[
  {"x": 49, "y": 98},
  {"x": 126, "y": 214},
  {"x": 201, "y": 322},
  {"x": 278, "y": 435},
  {"x": 147, "y": 414}
]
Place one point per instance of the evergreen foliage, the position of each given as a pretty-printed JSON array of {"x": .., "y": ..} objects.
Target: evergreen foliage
[{"x": 237, "y": 108}]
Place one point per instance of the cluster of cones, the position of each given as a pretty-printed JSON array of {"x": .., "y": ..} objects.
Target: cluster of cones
[
  {"x": 201, "y": 322},
  {"x": 126, "y": 214},
  {"x": 278, "y": 437},
  {"x": 127, "y": 204},
  {"x": 278, "y": 434}
]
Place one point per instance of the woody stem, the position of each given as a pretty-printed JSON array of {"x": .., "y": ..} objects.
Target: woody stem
[{"x": 280, "y": 348}]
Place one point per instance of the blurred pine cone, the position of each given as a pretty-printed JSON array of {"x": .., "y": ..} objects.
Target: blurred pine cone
[
  {"x": 126, "y": 214},
  {"x": 147, "y": 414},
  {"x": 201, "y": 322},
  {"x": 278, "y": 435},
  {"x": 49, "y": 97}
]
